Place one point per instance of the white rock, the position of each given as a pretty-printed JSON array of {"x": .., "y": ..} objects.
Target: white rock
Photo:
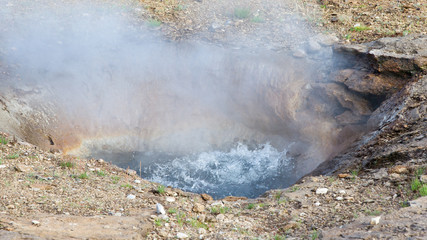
[
  {"x": 160, "y": 209},
  {"x": 3, "y": 166},
  {"x": 375, "y": 220},
  {"x": 137, "y": 181},
  {"x": 317, "y": 204},
  {"x": 181, "y": 235},
  {"x": 321, "y": 191},
  {"x": 341, "y": 191},
  {"x": 35, "y": 222},
  {"x": 339, "y": 198},
  {"x": 423, "y": 178},
  {"x": 201, "y": 231},
  {"x": 131, "y": 196},
  {"x": 118, "y": 214},
  {"x": 170, "y": 199}
]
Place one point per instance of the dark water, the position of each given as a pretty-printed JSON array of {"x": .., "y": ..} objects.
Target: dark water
[{"x": 239, "y": 171}]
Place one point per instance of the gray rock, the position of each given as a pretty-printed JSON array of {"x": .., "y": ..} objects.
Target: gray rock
[
  {"x": 181, "y": 235},
  {"x": 131, "y": 196},
  {"x": 160, "y": 209},
  {"x": 321, "y": 191}
]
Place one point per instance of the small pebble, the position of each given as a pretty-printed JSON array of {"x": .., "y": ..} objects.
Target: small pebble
[
  {"x": 181, "y": 235},
  {"x": 35, "y": 222},
  {"x": 375, "y": 220},
  {"x": 131, "y": 196}
]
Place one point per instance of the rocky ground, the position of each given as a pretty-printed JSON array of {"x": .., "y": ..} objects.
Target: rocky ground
[{"x": 372, "y": 191}]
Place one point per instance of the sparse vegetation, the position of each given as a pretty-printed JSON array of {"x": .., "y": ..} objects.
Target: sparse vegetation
[
  {"x": 250, "y": 206},
  {"x": 423, "y": 190},
  {"x": 4, "y": 140},
  {"x": 258, "y": 19},
  {"x": 66, "y": 164},
  {"x": 180, "y": 218},
  {"x": 83, "y": 176},
  {"x": 314, "y": 235},
  {"x": 115, "y": 179},
  {"x": 100, "y": 173},
  {"x": 127, "y": 185},
  {"x": 359, "y": 28},
  {"x": 13, "y": 156},
  {"x": 172, "y": 210},
  {"x": 197, "y": 224},
  {"x": 154, "y": 23},
  {"x": 415, "y": 184},
  {"x": 217, "y": 210},
  {"x": 161, "y": 189},
  {"x": 242, "y": 13}
]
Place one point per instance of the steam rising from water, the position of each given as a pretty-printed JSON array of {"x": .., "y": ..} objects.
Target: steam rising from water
[{"x": 115, "y": 88}]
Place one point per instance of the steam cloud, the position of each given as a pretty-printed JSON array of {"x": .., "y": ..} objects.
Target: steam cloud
[{"x": 114, "y": 86}]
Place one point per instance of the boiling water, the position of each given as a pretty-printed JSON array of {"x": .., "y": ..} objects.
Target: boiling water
[{"x": 239, "y": 171}]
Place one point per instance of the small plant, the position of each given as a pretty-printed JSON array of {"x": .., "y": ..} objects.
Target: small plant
[
  {"x": 180, "y": 218},
  {"x": 83, "y": 176},
  {"x": 171, "y": 210},
  {"x": 261, "y": 205},
  {"x": 66, "y": 164},
  {"x": 404, "y": 204},
  {"x": 406, "y": 32},
  {"x": 282, "y": 201},
  {"x": 250, "y": 206},
  {"x": 295, "y": 188},
  {"x": 4, "y": 140},
  {"x": 159, "y": 222},
  {"x": 279, "y": 237},
  {"x": 197, "y": 224},
  {"x": 242, "y": 13},
  {"x": 115, "y": 179},
  {"x": 314, "y": 235},
  {"x": 216, "y": 210},
  {"x": 360, "y": 28},
  {"x": 154, "y": 23},
  {"x": 415, "y": 184},
  {"x": 13, "y": 156},
  {"x": 420, "y": 171},
  {"x": 100, "y": 173},
  {"x": 423, "y": 190},
  {"x": 161, "y": 189},
  {"x": 127, "y": 185},
  {"x": 278, "y": 195},
  {"x": 373, "y": 213},
  {"x": 258, "y": 19}
]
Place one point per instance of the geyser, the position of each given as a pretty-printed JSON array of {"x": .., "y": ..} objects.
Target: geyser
[{"x": 204, "y": 118}]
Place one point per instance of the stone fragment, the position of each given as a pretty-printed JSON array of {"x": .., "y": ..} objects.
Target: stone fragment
[
  {"x": 341, "y": 191},
  {"x": 234, "y": 199},
  {"x": 137, "y": 181},
  {"x": 23, "y": 168},
  {"x": 399, "y": 169},
  {"x": 339, "y": 198},
  {"x": 35, "y": 222},
  {"x": 290, "y": 225},
  {"x": 344, "y": 175},
  {"x": 11, "y": 206},
  {"x": 201, "y": 231},
  {"x": 160, "y": 209},
  {"x": 131, "y": 172},
  {"x": 220, "y": 217},
  {"x": 382, "y": 173},
  {"x": 317, "y": 204},
  {"x": 3, "y": 166},
  {"x": 163, "y": 234},
  {"x": 198, "y": 208},
  {"x": 423, "y": 178},
  {"x": 170, "y": 199},
  {"x": 206, "y": 197},
  {"x": 131, "y": 196},
  {"x": 181, "y": 235},
  {"x": 321, "y": 191},
  {"x": 375, "y": 220}
]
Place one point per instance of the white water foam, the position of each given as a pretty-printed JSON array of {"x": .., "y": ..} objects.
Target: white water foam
[{"x": 241, "y": 171}]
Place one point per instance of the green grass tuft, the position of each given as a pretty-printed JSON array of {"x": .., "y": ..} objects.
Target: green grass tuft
[
  {"x": 423, "y": 190},
  {"x": 242, "y": 13},
  {"x": 359, "y": 28},
  {"x": 67, "y": 164},
  {"x": 154, "y": 23},
  {"x": 4, "y": 140},
  {"x": 415, "y": 184},
  {"x": 161, "y": 189}
]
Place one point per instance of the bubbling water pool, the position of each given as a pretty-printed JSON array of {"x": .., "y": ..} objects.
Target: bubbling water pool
[{"x": 239, "y": 171}]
